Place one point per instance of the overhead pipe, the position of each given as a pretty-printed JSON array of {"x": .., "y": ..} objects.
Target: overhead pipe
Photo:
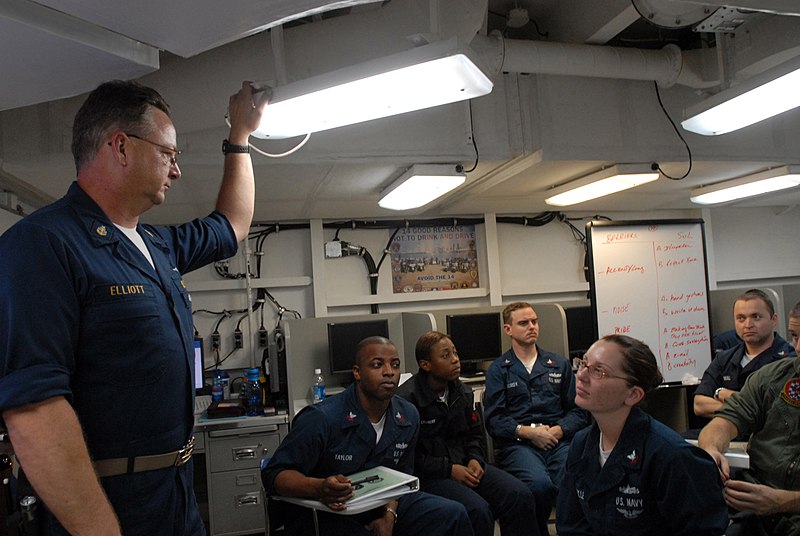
[{"x": 665, "y": 66}]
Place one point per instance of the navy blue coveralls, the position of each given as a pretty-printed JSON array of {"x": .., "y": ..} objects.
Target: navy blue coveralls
[
  {"x": 87, "y": 318},
  {"x": 545, "y": 396},
  {"x": 654, "y": 483},
  {"x": 450, "y": 433},
  {"x": 336, "y": 437},
  {"x": 726, "y": 369}
]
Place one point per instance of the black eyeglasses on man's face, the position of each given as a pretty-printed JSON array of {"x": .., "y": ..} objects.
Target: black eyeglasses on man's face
[{"x": 171, "y": 153}]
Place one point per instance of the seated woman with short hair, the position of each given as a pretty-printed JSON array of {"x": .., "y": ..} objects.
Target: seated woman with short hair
[
  {"x": 628, "y": 473},
  {"x": 450, "y": 460}
]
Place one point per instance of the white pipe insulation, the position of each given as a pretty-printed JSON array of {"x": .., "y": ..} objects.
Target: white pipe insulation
[{"x": 667, "y": 66}]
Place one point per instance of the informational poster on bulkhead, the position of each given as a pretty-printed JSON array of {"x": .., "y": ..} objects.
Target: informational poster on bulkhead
[{"x": 426, "y": 259}]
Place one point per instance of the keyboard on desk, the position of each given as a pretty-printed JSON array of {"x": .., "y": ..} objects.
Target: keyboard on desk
[{"x": 201, "y": 403}]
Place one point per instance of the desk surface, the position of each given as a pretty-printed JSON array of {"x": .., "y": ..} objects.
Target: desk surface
[
  {"x": 238, "y": 422},
  {"x": 736, "y": 454},
  {"x": 480, "y": 378}
]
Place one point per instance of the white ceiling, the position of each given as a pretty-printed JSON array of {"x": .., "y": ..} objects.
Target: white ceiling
[{"x": 533, "y": 132}]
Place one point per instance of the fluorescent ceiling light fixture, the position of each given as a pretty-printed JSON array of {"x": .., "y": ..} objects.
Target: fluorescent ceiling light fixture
[
  {"x": 604, "y": 182},
  {"x": 420, "y": 185},
  {"x": 763, "y": 96},
  {"x": 423, "y": 77},
  {"x": 765, "y": 182}
]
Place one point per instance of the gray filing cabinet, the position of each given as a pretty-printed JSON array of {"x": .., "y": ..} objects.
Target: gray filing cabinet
[{"x": 234, "y": 452}]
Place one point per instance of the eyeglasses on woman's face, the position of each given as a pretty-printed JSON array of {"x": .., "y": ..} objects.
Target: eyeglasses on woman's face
[{"x": 597, "y": 372}]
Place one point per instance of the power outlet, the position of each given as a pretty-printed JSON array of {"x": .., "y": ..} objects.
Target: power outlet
[
  {"x": 333, "y": 249},
  {"x": 215, "y": 340},
  {"x": 263, "y": 338},
  {"x": 238, "y": 342}
]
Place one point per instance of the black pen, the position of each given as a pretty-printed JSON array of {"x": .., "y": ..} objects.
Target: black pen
[{"x": 365, "y": 480}]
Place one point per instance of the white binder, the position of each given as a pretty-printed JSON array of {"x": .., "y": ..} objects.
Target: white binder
[{"x": 373, "y": 487}]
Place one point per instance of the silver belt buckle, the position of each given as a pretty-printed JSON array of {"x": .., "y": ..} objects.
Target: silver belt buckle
[{"x": 185, "y": 453}]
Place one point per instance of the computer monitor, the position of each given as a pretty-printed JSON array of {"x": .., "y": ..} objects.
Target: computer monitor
[
  {"x": 477, "y": 338},
  {"x": 198, "y": 364},
  {"x": 343, "y": 337},
  {"x": 581, "y": 328}
]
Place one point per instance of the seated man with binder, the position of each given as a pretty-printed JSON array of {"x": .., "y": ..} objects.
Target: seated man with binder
[{"x": 364, "y": 427}]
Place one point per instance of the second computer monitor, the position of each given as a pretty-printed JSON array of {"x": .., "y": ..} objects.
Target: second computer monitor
[
  {"x": 343, "y": 338},
  {"x": 477, "y": 338}
]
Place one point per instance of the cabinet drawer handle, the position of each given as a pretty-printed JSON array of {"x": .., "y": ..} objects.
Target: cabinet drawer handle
[
  {"x": 248, "y": 499},
  {"x": 247, "y": 453},
  {"x": 246, "y": 480}
]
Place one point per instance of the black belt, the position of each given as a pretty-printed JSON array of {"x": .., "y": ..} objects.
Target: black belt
[{"x": 126, "y": 466}]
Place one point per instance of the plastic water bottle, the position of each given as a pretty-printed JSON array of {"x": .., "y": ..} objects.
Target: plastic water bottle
[
  {"x": 243, "y": 388},
  {"x": 217, "y": 393},
  {"x": 225, "y": 380},
  {"x": 318, "y": 387},
  {"x": 253, "y": 402},
  {"x": 265, "y": 393}
]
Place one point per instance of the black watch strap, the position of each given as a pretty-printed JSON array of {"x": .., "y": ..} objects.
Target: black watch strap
[{"x": 231, "y": 148}]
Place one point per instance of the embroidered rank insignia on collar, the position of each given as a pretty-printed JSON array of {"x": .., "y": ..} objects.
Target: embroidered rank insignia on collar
[
  {"x": 791, "y": 392},
  {"x": 101, "y": 230},
  {"x": 400, "y": 418},
  {"x": 550, "y": 361},
  {"x": 633, "y": 457},
  {"x": 351, "y": 417},
  {"x": 506, "y": 361}
]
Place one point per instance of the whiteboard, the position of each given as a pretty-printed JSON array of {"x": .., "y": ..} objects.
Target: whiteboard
[{"x": 648, "y": 280}]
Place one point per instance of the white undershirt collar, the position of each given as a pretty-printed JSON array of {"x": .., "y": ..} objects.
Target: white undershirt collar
[
  {"x": 378, "y": 426},
  {"x": 138, "y": 241},
  {"x": 604, "y": 454}
]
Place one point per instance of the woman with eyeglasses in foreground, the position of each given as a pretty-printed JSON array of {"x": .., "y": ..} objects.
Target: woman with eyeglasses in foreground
[{"x": 628, "y": 473}]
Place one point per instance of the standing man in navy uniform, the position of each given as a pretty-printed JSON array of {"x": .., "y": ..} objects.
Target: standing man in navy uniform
[
  {"x": 361, "y": 428},
  {"x": 530, "y": 409},
  {"x": 96, "y": 352}
]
